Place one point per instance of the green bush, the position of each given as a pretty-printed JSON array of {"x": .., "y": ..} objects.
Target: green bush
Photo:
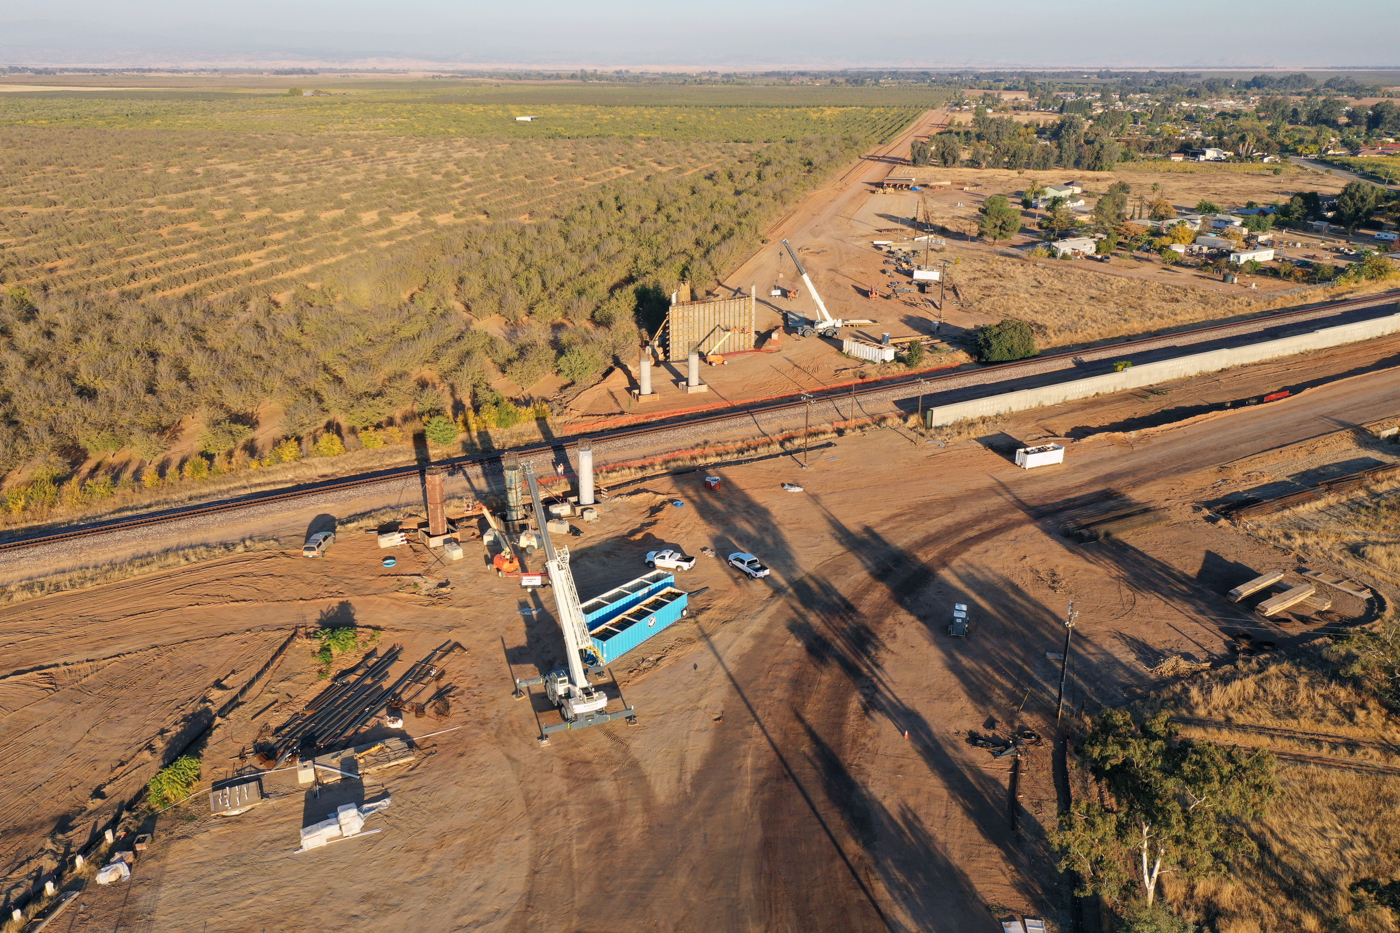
[
  {"x": 335, "y": 641},
  {"x": 329, "y": 445},
  {"x": 174, "y": 783},
  {"x": 1155, "y": 919},
  {"x": 914, "y": 355},
  {"x": 441, "y": 430},
  {"x": 1010, "y": 340},
  {"x": 579, "y": 363},
  {"x": 222, "y": 435}
]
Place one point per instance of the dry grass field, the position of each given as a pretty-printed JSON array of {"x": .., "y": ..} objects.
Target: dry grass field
[{"x": 1339, "y": 779}]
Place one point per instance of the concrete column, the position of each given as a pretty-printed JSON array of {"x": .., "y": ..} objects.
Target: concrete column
[
  {"x": 49, "y": 889},
  {"x": 16, "y": 914},
  {"x": 585, "y": 475},
  {"x": 644, "y": 373},
  {"x": 693, "y": 361},
  {"x": 79, "y": 862},
  {"x": 110, "y": 836},
  {"x": 515, "y": 507}
]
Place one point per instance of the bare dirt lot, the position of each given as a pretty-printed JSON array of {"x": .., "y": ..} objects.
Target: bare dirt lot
[{"x": 803, "y": 756}]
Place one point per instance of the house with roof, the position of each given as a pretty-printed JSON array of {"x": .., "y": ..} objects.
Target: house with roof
[{"x": 1076, "y": 247}]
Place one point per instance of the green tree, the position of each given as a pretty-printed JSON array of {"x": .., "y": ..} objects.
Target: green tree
[
  {"x": 441, "y": 430},
  {"x": 919, "y": 153},
  {"x": 1112, "y": 208},
  {"x": 946, "y": 150},
  {"x": 914, "y": 354},
  {"x": 1207, "y": 207},
  {"x": 999, "y": 221},
  {"x": 1357, "y": 202},
  {"x": 1058, "y": 219},
  {"x": 1032, "y": 194},
  {"x": 1169, "y": 805},
  {"x": 1012, "y": 339},
  {"x": 1107, "y": 243}
]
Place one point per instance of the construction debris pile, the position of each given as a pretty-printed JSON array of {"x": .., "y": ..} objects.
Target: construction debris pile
[
  {"x": 348, "y": 821},
  {"x": 355, "y": 697}
]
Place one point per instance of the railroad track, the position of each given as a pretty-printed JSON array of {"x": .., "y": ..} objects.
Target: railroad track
[{"x": 886, "y": 389}]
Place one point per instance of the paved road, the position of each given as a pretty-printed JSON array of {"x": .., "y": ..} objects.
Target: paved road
[{"x": 1336, "y": 171}]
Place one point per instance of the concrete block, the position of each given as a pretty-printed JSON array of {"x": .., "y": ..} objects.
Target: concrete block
[
  {"x": 561, "y": 509},
  {"x": 1289, "y": 597},
  {"x": 589, "y": 515},
  {"x": 452, "y": 550},
  {"x": 306, "y": 772},
  {"x": 1255, "y": 585},
  {"x": 557, "y": 527}
]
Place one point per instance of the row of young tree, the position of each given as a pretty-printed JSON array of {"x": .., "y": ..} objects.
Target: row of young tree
[{"x": 87, "y": 374}]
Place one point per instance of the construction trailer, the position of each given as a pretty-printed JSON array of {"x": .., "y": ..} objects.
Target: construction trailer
[{"x": 702, "y": 326}]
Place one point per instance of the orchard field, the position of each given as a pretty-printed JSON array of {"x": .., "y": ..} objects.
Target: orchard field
[{"x": 183, "y": 262}]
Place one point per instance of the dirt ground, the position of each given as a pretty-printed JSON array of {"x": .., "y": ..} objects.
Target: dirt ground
[{"x": 803, "y": 755}]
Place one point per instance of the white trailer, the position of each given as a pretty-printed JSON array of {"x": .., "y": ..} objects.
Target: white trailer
[{"x": 1030, "y": 457}]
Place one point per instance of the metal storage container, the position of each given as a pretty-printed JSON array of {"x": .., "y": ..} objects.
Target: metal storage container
[
  {"x": 865, "y": 350},
  {"x": 622, "y": 633},
  {"x": 617, "y": 601}
]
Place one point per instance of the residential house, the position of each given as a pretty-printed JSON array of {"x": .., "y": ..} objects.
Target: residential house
[
  {"x": 1074, "y": 246},
  {"x": 1177, "y": 157},
  {"x": 1208, "y": 154},
  {"x": 1375, "y": 152},
  {"x": 1240, "y": 257},
  {"x": 1215, "y": 242}
]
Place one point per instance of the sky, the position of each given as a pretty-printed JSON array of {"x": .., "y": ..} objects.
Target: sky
[{"x": 721, "y": 34}]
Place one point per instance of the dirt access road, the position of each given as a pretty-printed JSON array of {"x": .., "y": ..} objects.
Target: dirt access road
[
  {"x": 819, "y": 225},
  {"x": 802, "y": 759}
]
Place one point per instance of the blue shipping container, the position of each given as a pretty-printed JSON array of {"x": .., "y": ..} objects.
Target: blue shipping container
[
  {"x": 615, "y": 602},
  {"x": 615, "y": 638}
]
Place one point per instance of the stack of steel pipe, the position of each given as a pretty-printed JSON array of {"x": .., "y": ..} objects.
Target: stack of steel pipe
[
  {"x": 324, "y": 719},
  {"x": 404, "y": 690}
]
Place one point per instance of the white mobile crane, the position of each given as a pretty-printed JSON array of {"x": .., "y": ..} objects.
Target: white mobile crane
[
  {"x": 827, "y": 326},
  {"x": 580, "y": 703}
]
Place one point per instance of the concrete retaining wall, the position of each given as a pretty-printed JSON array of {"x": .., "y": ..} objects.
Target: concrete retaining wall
[{"x": 1147, "y": 374}]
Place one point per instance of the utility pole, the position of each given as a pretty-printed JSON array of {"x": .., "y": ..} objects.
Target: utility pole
[
  {"x": 1064, "y": 662},
  {"x": 921, "y": 403},
  {"x": 806, "y": 429},
  {"x": 853, "y": 403}
]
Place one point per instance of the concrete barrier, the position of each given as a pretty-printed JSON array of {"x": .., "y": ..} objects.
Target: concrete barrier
[{"x": 1147, "y": 374}]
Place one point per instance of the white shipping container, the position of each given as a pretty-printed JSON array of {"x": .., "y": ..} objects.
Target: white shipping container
[
  {"x": 865, "y": 350},
  {"x": 1030, "y": 457},
  {"x": 927, "y": 275}
]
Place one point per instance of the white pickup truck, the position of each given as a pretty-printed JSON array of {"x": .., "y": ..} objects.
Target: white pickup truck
[{"x": 669, "y": 560}]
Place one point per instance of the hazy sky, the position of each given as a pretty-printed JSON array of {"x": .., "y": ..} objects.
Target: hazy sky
[{"x": 720, "y": 33}]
